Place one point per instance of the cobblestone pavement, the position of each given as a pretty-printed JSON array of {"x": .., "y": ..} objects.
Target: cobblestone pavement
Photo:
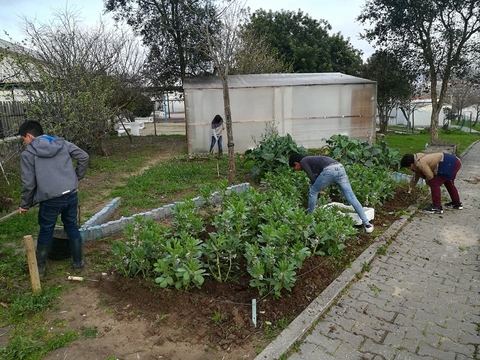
[{"x": 419, "y": 300}]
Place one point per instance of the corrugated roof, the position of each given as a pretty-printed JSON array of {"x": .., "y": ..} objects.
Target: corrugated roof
[
  {"x": 7, "y": 45},
  {"x": 274, "y": 80}
]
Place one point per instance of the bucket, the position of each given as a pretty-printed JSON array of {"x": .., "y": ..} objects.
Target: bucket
[{"x": 60, "y": 249}]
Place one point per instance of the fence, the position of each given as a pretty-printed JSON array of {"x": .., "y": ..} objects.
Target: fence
[{"x": 12, "y": 114}]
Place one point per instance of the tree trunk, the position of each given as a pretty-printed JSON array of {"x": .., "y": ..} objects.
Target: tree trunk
[
  {"x": 228, "y": 120},
  {"x": 434, "y": 122},
  {"x": 407, "y": 114},
  {"x": 382, "y": 116},
  {"x": 103, "y": 149}
]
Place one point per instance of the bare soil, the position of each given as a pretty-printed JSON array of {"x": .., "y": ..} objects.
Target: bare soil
[{"x": 135, "y": 319}]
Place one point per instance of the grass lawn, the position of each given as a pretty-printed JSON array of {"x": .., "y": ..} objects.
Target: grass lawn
[{"x": 413, "y": 143}]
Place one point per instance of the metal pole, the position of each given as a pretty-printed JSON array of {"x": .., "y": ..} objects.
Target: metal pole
[{"x": 165, "y": 108}]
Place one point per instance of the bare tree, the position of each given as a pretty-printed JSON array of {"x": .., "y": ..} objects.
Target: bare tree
[
  {"x": 220, "y": 48},
  {"x": 74, "y": 72},
  {"x": 255, "y": 55},
  {"x": 234, "y": 50}
]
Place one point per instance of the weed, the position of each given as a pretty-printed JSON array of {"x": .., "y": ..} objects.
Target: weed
[
  {"x": 382, "y": 250},
  {"x": 23, "y": 305},
  {"x": 216, "y": 317},
  {"x": 366, "y": 267},
  {"x": 90, "y": 333},
  {"x": 296, "y": 346},
  {"x": 462, "y": 248},
  {"x": 284, "y": 322},
  {"x": 161, "y": 317}
]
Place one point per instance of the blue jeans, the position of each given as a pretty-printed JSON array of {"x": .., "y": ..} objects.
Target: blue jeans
[
  {"x": 335, "y": 174},
  {"x": 66, "y": 206},
  {"x": 212, "y": 145}
]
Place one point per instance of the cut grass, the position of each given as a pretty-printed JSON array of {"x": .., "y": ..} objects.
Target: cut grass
[
  {"x": 175, "y": 180},
  {"x": 414, "y": 143}
]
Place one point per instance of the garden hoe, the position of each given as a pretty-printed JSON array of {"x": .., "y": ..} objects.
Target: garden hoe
[{"x": 6, "y": 217}]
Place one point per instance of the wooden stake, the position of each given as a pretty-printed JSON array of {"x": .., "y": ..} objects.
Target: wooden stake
[{"x": 32, "y": 264}]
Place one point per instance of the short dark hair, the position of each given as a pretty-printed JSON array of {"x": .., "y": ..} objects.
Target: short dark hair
[
  {"x": 217, "y": 119},
  {"x": 296, "y": 157},
  {"x": 407, "y": 160},
  {"x": 30, "y": 127}
]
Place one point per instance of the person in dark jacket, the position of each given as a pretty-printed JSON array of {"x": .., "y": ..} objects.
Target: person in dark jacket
[
  {"x": 50, "y": 179},
  {"x": 324, "y": 171},
  {"x": 217, "y": 129}
]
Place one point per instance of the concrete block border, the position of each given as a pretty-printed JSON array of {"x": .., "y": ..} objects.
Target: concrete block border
[{"x": 97, "y": 227}]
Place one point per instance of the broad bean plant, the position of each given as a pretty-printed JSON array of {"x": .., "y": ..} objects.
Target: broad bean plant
[{"x": 263, "y": 232}]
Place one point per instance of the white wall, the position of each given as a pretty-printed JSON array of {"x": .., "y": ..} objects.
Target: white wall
[
  {"x": 421, "y": 117},
  {"x": 307, "y": 113}
]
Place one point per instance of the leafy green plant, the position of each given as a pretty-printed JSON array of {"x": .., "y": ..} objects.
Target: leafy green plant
[
  {"x": 186, "y": 218},
  {"x": 180, "y": 263},
  {"x": 354, "y": 151},
  {"x": 381, "y": 186},
  {"x": 144, "y": 244},
  {"x": 272, "y": 151},
  {"x": 221, "y": 254},
  {"x": 330, "y": 231}
]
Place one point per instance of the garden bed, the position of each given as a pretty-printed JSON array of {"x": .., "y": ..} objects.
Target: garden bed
[{"x": 218, "y": 316}]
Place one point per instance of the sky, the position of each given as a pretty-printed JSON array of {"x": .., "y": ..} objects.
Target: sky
[{"x": 340, "y": 14}]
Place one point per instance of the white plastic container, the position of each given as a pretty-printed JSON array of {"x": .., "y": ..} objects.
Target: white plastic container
[{"x": 369, "y": 212}]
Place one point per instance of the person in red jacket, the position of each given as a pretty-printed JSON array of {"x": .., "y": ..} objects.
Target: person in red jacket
[{"x": 437, "y": 169}]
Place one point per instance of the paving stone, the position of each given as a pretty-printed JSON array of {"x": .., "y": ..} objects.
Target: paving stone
[
  {"x": 428, "y": 350},
  {"x": 347, "y": 351},
  {"x": 448, "y": 345},
  {"x": 466, "y": 338},
  {"x": 404, "y": 355},
  {"x": 386, "y": 351},
  {"x": 324, "y": 342}
]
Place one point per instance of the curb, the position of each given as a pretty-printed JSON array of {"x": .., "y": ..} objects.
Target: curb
[
  {"x": 95, "y": 228},
  {"x": 308, "y": 317}
]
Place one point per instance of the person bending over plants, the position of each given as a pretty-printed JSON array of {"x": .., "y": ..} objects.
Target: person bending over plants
[
  {"x": 436, "y": 169},
  {"x": 322, "y": 172}
]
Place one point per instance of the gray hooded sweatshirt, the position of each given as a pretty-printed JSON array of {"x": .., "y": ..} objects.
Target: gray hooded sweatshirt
[{"x": 47, "y": 169}]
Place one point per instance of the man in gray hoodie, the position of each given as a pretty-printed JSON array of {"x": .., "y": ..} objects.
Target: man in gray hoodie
[{"x": 50, "y": 179}]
